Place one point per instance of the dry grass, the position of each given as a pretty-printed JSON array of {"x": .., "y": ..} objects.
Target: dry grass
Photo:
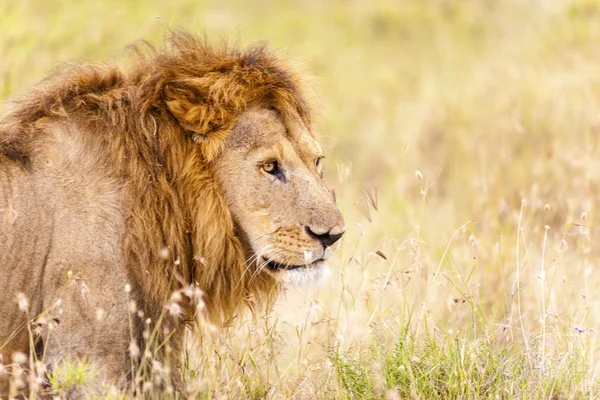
[{"x": 465, "y": 151}]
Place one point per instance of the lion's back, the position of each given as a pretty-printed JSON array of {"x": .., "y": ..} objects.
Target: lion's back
[{"x": 60, "y": 211}]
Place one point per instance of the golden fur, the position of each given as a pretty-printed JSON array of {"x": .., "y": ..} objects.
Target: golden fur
[{"x": 110, "y": 178}]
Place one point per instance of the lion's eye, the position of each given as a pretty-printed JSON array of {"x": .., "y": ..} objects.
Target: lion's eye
[
  {"x": 271, "y": 167},
  {"x": 318, "y": 161}
]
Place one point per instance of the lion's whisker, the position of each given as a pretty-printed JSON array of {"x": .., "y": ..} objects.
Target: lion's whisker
[
  {"x": 250, "y": 261},
  {"x": 278, "y": 253}
]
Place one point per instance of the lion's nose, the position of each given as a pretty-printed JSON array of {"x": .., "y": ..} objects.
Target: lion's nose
[{"x": 328, "y": 238}]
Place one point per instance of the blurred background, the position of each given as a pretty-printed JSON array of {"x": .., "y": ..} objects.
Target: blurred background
[{"x": 463, "y": 143}]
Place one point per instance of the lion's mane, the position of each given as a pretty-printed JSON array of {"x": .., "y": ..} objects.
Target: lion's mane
[{"x": 161, "y": 123}]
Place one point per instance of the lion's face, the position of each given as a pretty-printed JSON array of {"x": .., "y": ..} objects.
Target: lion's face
[{"x": 271, "y": 175}]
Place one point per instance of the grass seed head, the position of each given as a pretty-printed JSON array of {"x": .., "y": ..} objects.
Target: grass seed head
[
  {"x": 134, "y": 350},
  {"x": 19, "y": 357},
  {"x": 22, "y": 302}
]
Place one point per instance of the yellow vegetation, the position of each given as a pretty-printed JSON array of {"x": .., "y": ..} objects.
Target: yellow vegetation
[{"x": 464, "y": 145}]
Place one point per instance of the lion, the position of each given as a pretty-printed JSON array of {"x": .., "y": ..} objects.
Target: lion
[{"x": 189, "y": 184}]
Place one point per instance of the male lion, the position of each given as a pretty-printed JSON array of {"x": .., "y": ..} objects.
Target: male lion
[{"x": 196, "y": 171}]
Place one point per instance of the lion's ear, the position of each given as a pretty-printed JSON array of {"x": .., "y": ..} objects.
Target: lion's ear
[{"x": 198, "y": 113}]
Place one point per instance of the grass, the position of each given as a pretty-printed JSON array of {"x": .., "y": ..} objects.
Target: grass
[{"x": 464, "y": 148}]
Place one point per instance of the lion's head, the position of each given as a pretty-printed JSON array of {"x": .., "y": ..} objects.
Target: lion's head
[{"x": 271, "y": 174}]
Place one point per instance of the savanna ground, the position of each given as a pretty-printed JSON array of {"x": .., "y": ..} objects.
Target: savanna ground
[{"x": 464, "y": 147}]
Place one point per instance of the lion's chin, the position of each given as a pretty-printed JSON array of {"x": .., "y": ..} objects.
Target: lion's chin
[{"x": 299, "y": 275}]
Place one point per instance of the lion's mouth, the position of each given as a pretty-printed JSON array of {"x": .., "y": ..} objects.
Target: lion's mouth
[{"x": 276, "y": 266}]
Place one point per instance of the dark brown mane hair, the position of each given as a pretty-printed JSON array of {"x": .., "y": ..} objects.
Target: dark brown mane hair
[{"x": 160, "y": 124}]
